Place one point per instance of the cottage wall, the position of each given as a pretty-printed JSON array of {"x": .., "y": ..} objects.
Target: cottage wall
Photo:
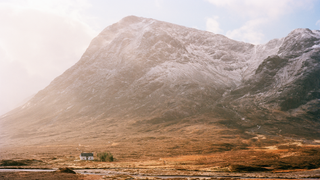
[{"x": 86, "y": 158}]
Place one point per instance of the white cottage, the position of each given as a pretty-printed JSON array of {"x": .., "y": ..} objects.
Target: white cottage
[{"x": 86, "y": 156}]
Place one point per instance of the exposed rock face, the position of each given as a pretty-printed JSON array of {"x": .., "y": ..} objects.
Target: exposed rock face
[
  {"x": 283, "y": 94},
  {"x": 151, "y": 71}
]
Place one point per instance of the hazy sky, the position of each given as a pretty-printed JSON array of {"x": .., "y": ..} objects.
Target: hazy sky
[{"x": 40, "y": 39}]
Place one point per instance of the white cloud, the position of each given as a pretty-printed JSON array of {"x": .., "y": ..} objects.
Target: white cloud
[
  {"x": 258, "y": 13},
  {"x": 247, "y": 32},
  {"x": 39, "y": 40},
  {"x": 158, "y": 3},
  {"x": 318, "y": 23},
  {"x": 262, "y": 8},
  {"x": 212, "y": 25}
]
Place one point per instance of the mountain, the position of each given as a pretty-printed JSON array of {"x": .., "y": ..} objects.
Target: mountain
[
  {"x": 283, "y": 95},
  {"x": 142, "y": 75}
]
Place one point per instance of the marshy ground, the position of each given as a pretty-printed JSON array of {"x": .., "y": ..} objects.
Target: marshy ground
[{"x": 156, "y": 158}]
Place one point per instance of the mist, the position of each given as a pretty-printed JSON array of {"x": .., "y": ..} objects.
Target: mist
[{"x": 35, "y": 47}]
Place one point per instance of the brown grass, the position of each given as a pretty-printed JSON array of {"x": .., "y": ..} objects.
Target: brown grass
[
  {"x": 204, "y": 147},
  {"x": 45, "y": 176}
]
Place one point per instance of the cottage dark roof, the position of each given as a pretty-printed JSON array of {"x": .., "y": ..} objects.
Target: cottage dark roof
[{"x": 86, "y": 154}]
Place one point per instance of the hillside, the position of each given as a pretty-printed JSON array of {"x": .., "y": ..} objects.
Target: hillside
[{"x": 143, "y": 80}]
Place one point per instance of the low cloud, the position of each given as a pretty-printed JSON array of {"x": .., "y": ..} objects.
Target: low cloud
[
  {"x": 258, "y": 13},
  {"x": 212, "y": 25},
  {"x": 248, "y": 32},
  {"x": 262, "y": 8},
  {"x": 318, "y": 23},
  {"x": 38, "y": 42},
  {"x": 158, "y": 3}
]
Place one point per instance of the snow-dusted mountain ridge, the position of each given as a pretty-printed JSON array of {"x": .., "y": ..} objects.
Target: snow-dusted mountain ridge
[
  {"x": 143, "y": 58},
  {"x": 151, "y": 71}
]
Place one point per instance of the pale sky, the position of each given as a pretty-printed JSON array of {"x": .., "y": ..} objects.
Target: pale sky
[{"x": 40, "y": 39}]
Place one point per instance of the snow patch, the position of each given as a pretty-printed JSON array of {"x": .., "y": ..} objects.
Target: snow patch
[{"x": 316, "y": 46}]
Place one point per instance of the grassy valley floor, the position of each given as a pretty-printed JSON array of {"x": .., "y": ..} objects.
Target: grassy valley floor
[{"x": 147, "y": 157}]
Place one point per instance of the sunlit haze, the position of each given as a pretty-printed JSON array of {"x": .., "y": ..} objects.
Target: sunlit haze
[{"x": 40, "y": 39}]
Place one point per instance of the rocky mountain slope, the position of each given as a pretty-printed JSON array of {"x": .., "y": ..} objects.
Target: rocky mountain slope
[
  {"x": 144, "y": 73},
  {"x": 283, "y": 94}
]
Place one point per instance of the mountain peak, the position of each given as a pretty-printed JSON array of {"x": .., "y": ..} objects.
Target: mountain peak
[
  {"x": 300, "y": 31},
  {"x": 303, "y": 33},
  {"x": 146, "y": 71},
  {"x": 132, "y": 19}
]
